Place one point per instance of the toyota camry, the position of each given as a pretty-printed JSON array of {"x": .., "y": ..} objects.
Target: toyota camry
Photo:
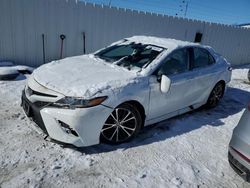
[{"x": 110, "y": 95}]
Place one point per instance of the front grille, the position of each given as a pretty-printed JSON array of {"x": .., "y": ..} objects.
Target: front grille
[
  {"x": 41, "y": 104},
  {"x": 33, "y": 111}
]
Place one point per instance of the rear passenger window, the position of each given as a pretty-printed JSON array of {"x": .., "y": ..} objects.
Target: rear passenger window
[
  {"x": 211, "y": 59},
  {"x": 202, "y": 58}
]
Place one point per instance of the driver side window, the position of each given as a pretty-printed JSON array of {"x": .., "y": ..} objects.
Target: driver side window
[{"x": 175, "y": 63}]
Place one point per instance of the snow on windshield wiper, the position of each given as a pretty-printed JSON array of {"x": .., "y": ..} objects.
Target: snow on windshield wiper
[
  {"x": 119, "y": 61},
  {"x": 103, "y": 58}
]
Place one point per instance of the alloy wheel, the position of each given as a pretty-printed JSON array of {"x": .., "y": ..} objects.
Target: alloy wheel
[
  {"x": 216, "y": 95},
  {"x": 121, "y": 125}
]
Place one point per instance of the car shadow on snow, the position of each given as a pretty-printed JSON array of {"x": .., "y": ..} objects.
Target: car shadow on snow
[
  {"x": 21, "y": 77},
  {"x": 233, "y": 102}
]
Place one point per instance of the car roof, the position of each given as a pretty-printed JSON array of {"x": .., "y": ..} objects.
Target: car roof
[{"x": 163, "y": 42}]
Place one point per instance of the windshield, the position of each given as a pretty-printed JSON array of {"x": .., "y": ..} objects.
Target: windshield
[{"x": 130, "y": 55}]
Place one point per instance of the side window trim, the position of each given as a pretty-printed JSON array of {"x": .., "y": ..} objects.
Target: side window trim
[
  {"x": 191, "y": 58},
  {"x": 193, "y": 62},
  {"x": 210, "y": 55}
]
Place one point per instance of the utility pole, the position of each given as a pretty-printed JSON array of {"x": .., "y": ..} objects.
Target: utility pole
[
  {"x": 185, "y": 14},
  {"x": 110, "y": 2},
  {"x": 184, "y": 3}
]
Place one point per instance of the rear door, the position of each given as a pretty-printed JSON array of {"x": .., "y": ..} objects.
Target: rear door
[{"x": 205, "y": 73}]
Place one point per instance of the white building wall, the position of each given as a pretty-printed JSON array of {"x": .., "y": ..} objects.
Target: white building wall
[{"x": 22, "y": 24}]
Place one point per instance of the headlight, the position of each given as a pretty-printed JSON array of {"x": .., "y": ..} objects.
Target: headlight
[{"x": 72, "y": 102}]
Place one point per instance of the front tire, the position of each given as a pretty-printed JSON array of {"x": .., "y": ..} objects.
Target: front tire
[
  {"x": 215, "y": 96},
  {"x": 122, "y": 125}
]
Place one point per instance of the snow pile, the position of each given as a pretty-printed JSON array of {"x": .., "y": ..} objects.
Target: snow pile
[
  {"x": 6, "y": 63},
  {"x": 24, "y": 69},
  {"x": 162, "y": 42},
  {"x": 240, "y": 74},
  {"x": 186, "y": 151},
  {"x": 9, "y": 71}
]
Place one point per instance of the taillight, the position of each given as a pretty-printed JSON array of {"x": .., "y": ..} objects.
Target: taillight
[{"x": 241, "y": 155}]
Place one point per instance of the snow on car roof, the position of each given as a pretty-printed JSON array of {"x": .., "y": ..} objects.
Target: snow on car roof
[{"x": 162, "y": 42}]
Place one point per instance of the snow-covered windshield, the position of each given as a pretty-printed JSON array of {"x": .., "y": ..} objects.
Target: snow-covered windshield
[{"x": 130, "y": 55}]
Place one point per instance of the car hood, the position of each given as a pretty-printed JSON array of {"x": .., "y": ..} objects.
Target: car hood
[{"x": 82, "y": 76}]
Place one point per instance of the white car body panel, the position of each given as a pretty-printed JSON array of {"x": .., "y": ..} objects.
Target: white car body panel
[
  {"x": 87, "y": 77},
  {"x": 81, "y": 120},
  {"x": 240, "y": 141},
  {"x": 31, "y": 83}
]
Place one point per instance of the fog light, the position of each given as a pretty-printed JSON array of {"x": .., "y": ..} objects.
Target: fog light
[{"x": 67, "y": 128}]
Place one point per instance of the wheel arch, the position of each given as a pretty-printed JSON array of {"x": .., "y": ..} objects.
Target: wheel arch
[
  {"x": 220, "y": 81},
  {"x": 139, "y": 107},
  {"x": 224, "y": 85},
  {"x": 207, "y": 104}
]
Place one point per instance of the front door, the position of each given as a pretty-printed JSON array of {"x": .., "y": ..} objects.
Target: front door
[{"x": 176, "y": 67}]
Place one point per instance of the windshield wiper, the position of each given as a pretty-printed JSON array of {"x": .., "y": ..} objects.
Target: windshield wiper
[
  {"x": 104, "y": 58},
  {"x": 119, "y": 61}
]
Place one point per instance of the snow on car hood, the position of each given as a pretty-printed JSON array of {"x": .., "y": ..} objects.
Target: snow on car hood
[{"x": 82, "y": 76}]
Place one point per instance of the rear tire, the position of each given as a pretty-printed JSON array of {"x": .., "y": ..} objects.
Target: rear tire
[
  {"x": 122, "y": 125},
  {"x": 215, "y": 96}
]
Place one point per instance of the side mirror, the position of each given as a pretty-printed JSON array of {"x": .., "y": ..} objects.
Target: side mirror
[{"x": 165, "y": 84}]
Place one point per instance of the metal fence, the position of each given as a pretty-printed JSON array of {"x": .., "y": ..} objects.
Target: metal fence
[{"x": 23, "y": 23}]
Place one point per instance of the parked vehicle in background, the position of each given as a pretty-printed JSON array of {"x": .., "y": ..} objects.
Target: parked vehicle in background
[
  {"x": 239, "y": 146},
  {"x": 110, "y": 95}
]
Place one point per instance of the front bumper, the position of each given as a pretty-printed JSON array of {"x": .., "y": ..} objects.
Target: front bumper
[
  {"x": 85, "y": 122},
  {"x": 238, "y": 167}
]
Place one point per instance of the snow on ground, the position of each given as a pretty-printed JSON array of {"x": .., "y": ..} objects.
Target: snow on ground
[{"x": 186, "y": 151}]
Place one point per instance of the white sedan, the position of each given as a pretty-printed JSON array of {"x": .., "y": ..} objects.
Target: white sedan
[{"x": 111, "y": 95}]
